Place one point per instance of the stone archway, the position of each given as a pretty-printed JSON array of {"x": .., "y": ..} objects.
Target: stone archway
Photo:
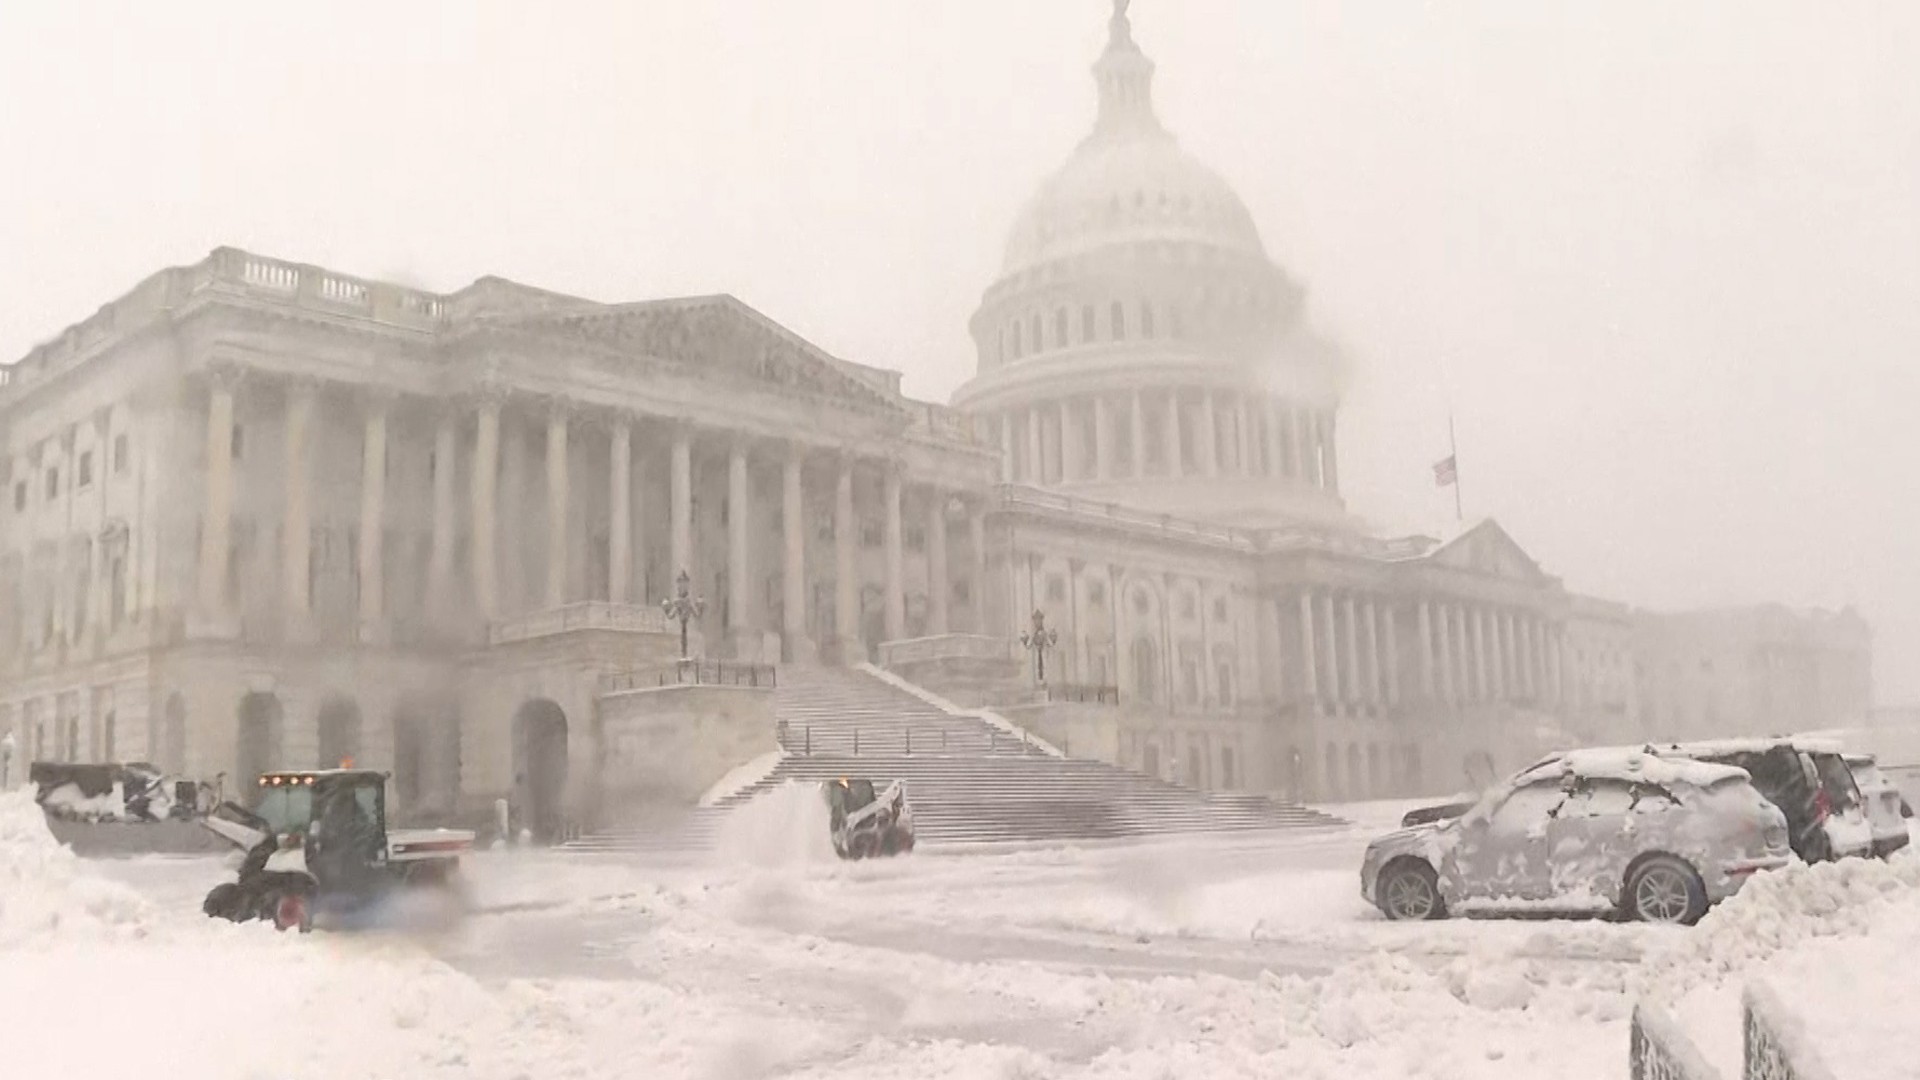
[
  {"x": 259, "y": 740},
  {"x": 1150, "y": 759},
  {"x": 1356, "y": 773},
  {"x": 540, "y": 768},
  {"x": 426, "y": 756},
  {"x": 1330, "y": 781},
  {"x": 337, "y": 728}
]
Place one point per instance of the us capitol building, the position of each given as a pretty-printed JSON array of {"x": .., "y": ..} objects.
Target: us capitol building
[{"x": 261, "y": 514}]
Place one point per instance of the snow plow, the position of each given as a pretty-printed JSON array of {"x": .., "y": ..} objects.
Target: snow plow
[
  {"x": 318, "y": 843},
  {"x": 866, "y": 824}
]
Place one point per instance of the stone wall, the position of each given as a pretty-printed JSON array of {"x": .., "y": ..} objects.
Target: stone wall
[{"x": 665, "y": 746}]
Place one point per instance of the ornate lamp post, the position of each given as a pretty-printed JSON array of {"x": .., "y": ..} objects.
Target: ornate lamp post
[
  {"x": 683, "y": 607},
  {"x": 1037, "y": 641}
]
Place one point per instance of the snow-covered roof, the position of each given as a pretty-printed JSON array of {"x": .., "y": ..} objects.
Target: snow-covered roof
[
  {"x": 1750, "y": 745},
  {"x": 1632, "y": 763}
]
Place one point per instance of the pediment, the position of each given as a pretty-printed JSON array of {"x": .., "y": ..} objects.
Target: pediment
[
  {"x": 1487, "y": 549},
  {"x": 722, "y": 339}
]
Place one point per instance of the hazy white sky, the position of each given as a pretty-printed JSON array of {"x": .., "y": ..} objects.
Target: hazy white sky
[{"x": 1663, "y": 259}]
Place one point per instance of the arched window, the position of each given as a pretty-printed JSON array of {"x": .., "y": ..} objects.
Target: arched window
[
  {"x": 1087, "y": 329},
  {"x": 1015, "y": 329},
  {"x": 1039, "y": 342},
  {"x": 1146, "y": 320},
  {"x": 1119, "y": 319},
  {"x": 1060, "y": 328}
]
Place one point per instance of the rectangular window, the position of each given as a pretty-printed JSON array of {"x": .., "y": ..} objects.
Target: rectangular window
[
  {"x": 238, "y": 444},
  {"x": 86, "y": 467},
  {"x": 53, "y": 484},
  {"x": 20, "y": 497},
  {"x": 120, "y": 454}
]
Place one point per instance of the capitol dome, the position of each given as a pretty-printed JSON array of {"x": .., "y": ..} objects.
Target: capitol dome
[
  {"x": 1126, "y": 188},
  {"x": 1139, "y": 346}
]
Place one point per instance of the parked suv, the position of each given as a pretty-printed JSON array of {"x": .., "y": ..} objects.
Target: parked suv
[
  {"x": 1657, "y": 839},
  {"x": 1887, "y": 812},
  {"x": 1807, "y": 779}
]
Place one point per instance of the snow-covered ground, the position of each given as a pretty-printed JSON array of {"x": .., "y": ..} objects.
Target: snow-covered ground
[{"x": 1225, "y": 957}]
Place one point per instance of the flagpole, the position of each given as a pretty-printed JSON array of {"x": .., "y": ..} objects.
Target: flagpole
[{"x": 1453, "y": 449}]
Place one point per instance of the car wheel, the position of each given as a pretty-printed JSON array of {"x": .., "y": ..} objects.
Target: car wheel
[
  {"x": 1665, "y": 890},
  {"x": 1409, "y": 890}
]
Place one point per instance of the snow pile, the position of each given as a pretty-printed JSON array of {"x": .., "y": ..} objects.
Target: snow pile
[
  {"x": 784, "y": 828},
  {"x": 43, "y": 896},
  {"x": 1839, "y": 941}
]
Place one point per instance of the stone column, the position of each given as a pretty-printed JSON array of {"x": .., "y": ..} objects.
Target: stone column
[
  {"x": 1139, "y": 420},
  {"x": 557, "y": 497},
  {"x": 846, "y": 607},
  {"x": 1007, "y": 475},
  {"x": 739, "y": 573},
  {"x": 1482, "y": 675},
  {"x": 1071, "y": 463},
  {"x": 1276, "y": 432},
  {"x": 1496, "y": 655},
  {"x": 1309, "y": 664},
  {"x": 1448, "y": 666},
  {"x": 1102, "y": 438},
  {"x": 1209, "y": 435},
  {"x": 1336, "y": 659},
  {"x": 373, "y": 517},
  {"x": 1305, "y": 462},
  {"x": 1243, "y": 427},
  {"x": 446, "y": 449},
  {"x": 680, "y": 478},
  {"x": 793, "y": 573},
  {"x": 1375, "y": 677},
  {"x": 1353, "y": 653},
  {"x": 1393, "y": 657},
  {"x": 486, "y": 462},
  {"x": 1036, "y": 450},
  {"x": 1176, "y": 466},
  {"x": 1077, "y": 626},
  {"x": 1330, "y": 448},
  {"x": 216, "y": 526},
  {"x": 977, "y": 536},
  {"x": 296, "y": 526},
  {"x": 896, "y": 610},
  {"x": 939, "y": 586},
  {"x": 620, "y": 510}
]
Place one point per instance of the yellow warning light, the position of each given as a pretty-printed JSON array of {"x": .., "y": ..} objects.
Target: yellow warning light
[{"x": 346, "y": 762}]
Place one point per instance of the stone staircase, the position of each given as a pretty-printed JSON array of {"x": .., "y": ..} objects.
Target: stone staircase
[{"x": 969, "y": 779}]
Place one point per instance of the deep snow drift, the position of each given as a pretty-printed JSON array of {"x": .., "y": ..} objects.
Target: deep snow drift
[{"x": 1227, "y": 957}]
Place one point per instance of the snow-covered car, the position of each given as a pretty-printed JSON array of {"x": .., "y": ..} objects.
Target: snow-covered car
[
  {"x": 1886, "y": 810},
  {"x": 1653, "y": 838},
  {"x": 1807, "y": 779}
]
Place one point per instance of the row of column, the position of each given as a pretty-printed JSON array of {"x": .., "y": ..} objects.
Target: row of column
[
  {"x": 483, "y": 501},
  {"x": 1230, "y": 433},
  {"x": 1467, "y": 652}
]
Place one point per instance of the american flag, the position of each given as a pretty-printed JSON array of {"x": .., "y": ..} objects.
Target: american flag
[{"x": 1446, "y": 472}]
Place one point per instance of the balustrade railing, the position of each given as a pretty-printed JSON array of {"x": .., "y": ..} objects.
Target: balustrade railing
[
  {"x": 588, "y": 615},
  {"x": 1082, "y": 694},
  {"x": 945, "y": 647},
  {"x": 693, "y": 673}
]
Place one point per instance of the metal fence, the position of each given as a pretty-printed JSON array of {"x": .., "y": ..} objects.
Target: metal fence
[
  {"x": 1775, "y": 1046},
  {"x": 1659, "y": 1050}
]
